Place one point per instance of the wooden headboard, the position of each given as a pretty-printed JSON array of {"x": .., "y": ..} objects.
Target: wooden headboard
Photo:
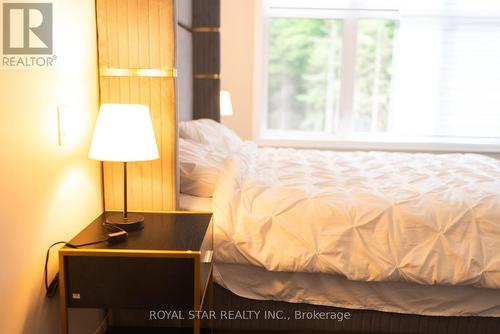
[
  {"x": 198, "y": 59},
  {"x": 136, "y": 42},
  {"x": 164, "y": 54}
]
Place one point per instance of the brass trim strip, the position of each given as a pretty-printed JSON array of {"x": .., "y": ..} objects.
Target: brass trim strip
[
  {"x": 211, "y": 299},
  {"x": 205, "y": 29},
  {"x": 128, "y": 252},
  {"x": 205, "y": 288},
  {"x": 198, "y": 29},
  {"x": 62, "y": 295},
  {"x": 179, "y": 212},
  {"x": 206, "y": 76},
  {"x": 197, "y": 298},
  {"x": 138, "y": 72}
]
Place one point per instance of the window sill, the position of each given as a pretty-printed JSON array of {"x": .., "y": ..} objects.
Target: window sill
[{"x": 405, "y": 144}]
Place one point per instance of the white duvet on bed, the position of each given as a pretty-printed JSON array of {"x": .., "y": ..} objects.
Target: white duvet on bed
[{"x": 369, "y": 216}]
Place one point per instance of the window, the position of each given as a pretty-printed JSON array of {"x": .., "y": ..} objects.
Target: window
[
  {"x": 373, "y": 70},
  {"x": 303, "y": 73},
  {"x": 379, "y": 71}
]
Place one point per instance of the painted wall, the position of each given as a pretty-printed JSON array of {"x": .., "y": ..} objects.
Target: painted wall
[
  {"x": 238, "y": 55},
  {"x": 47, "y": 192}
]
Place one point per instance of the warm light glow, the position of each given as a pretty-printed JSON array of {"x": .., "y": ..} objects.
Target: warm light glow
[
  {"x": 124, "y": 132},
  {"x": 226, "y": 108}
]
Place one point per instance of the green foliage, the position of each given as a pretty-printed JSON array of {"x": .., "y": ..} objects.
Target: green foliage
[
  {"x": 304, "y": 57},
  {"x": 298, "y": 55},
  {"x": 373, "y": 75}
]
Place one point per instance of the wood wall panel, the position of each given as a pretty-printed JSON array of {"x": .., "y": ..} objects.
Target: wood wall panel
[
  {"x": 140, "y": 34},
  {"x": 206, "y": 64},
  {"x": 206, "y": 13},
  {"x": 207, "y": 46},
  {"x": 207, "y": 102}
]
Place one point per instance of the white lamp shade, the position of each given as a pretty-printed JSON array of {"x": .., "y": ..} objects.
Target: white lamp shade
[
  {"x": 226, "y": 108},
  {"x": 123, "y": 132}
]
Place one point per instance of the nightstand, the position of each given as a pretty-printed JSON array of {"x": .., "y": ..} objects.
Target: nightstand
[{"x": 165, "y": 266}]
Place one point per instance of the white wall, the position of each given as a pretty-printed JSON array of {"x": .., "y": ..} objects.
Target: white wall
[
  {"x": 238, "y": 55},
  {"x": 47, "y": 192}
]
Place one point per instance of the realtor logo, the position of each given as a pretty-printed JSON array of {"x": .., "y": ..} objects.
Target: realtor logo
[
  {"x": 27, "y": 35},
  {"x": 27, "y": 28}
]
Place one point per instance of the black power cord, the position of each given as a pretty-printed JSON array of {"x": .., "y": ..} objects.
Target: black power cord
[{"x": 114, "y": 237}]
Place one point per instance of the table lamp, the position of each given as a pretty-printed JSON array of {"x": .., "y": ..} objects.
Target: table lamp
[
  {"x": 226, "y": 107},
  {"x": 124, "y": 133}
]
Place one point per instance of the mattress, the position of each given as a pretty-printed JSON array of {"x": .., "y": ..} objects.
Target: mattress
[
  {"x": 195, "y": 203},
  {"x": 329, "y": 290},
  {"x": 367, "y": 216}
]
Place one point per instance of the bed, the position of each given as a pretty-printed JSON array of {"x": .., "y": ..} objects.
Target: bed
[
  {"x": 409, "y": 234},
  {"x": 404, "y": 243}
]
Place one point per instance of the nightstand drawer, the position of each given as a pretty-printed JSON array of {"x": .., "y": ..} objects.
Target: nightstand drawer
[{"x": 130, "y": 282}]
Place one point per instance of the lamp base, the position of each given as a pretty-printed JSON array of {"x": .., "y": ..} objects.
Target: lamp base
[{"x": 133, "y": 222}]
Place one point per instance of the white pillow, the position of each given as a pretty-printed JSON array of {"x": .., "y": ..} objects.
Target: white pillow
[
  {"x": 200, "y": 165},
  {"x": 209, "y": 132}
]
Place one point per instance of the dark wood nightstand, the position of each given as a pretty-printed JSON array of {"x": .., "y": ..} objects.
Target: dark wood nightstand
[{"x": 165, "y": 266}]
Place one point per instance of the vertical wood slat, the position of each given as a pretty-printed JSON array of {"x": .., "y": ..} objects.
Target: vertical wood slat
[
  {"x": 140, "y": 34},
  {"x": 206, "y": 52}
]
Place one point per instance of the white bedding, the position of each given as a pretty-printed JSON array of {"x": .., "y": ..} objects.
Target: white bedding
[
  {"x": 195, "y": 203},
  {"x": 368, "y": 216},
  {"x": 332, "y": 290}
]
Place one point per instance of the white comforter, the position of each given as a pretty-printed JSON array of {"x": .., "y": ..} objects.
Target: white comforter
[{"x": 369, "y": 216}]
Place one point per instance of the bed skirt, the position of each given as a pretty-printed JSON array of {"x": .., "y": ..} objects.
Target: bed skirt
[{"x": 289, "y": 317}]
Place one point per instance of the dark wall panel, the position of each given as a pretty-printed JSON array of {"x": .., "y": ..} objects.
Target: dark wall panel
[
  {"x": 206, "y": 104},
  {"x": 206, "y": 13},
  {"x": 206, "y": 59},
  {"x": 206, "y": 48}
]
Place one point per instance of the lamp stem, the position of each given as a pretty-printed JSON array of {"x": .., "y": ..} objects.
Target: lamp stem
[
  {"x": 126, "y": 222},
  {"x": 125, "y": 213}
]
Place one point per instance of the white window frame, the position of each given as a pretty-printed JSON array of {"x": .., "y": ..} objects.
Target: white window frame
[{"x": 341, "y": 139}]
